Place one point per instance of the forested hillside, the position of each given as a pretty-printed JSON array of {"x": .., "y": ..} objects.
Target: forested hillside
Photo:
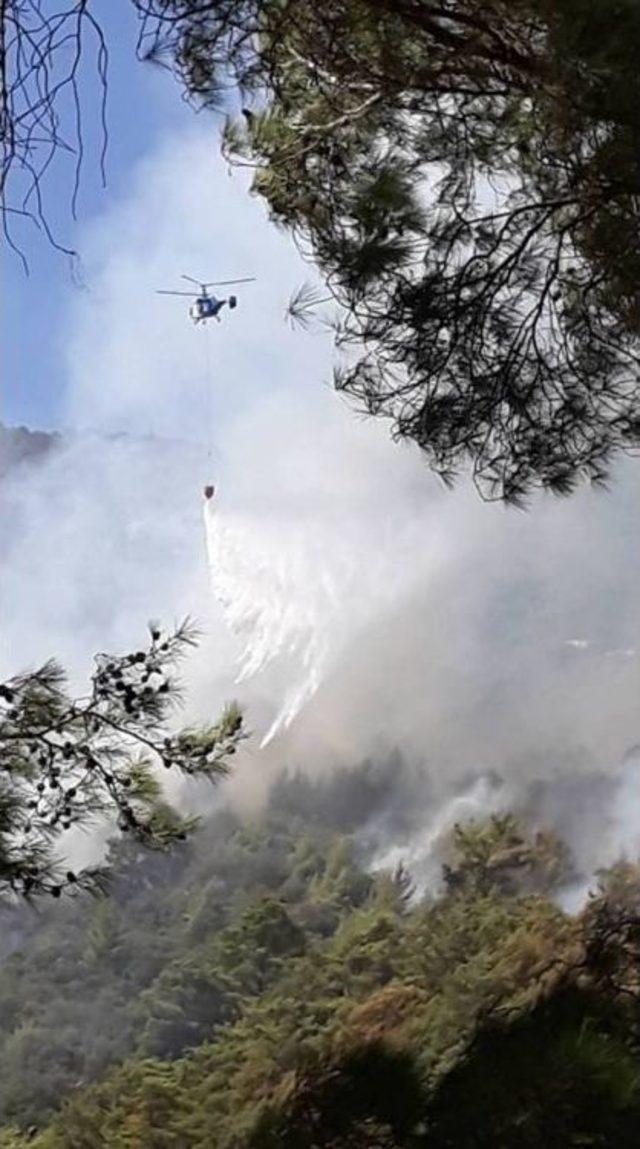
[
  {"x": 259, "y": 986},
  {"x": 435, "y": 205}
]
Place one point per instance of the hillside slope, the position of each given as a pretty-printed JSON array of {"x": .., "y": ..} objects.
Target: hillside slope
[{"x": 259, "y": 986}]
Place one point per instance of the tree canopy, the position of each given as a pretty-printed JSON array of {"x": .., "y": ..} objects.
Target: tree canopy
[
  {"x": 67, "y": 761},
  {"x": 259, "y": 986}
]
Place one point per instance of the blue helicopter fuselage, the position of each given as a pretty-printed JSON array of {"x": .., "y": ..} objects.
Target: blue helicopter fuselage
[{"x": 206, "y": 307}]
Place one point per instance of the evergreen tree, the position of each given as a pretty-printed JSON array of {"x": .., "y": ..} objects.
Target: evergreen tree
[
  {"x": 565, "y": 1073},
  {"x": 65, "y": 762},
  {"x": 200, "y": 1005}
]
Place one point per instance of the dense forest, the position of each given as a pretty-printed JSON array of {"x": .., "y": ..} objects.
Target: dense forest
[{"x": 261, "y": 986}]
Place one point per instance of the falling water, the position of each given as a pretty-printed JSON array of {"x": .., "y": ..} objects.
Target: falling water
[
  {"x": 297, "y": 593},
  {"x": 276, "y": 596}
]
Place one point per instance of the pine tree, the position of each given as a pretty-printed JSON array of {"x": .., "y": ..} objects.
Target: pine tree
[{"x": 66, "y": 762}]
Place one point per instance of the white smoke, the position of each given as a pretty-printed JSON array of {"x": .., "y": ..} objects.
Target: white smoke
[
  {"x": 302, "y": 580},
  {"x": 357, "y": 604},
  {"x": 423, "y": 854}
]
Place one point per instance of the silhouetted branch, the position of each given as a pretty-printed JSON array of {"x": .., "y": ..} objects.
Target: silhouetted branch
[{"x": 41, "y": 59}]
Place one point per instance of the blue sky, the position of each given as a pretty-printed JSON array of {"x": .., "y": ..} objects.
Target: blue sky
[{"x": 144, "y": 105}]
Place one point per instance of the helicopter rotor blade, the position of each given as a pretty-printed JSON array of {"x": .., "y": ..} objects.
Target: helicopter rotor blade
[
  {"x": 190, "y": 294},
  {"x": 225, "y": 282},
  {"x": 198, "y": 282}
]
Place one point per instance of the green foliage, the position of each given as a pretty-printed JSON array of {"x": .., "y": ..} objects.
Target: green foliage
[
  {"x": 257, "y": 986},
  {"x": 68, "y": 762},
  {"x": 370, "y": 1098},
  {"x": 183, "y": 938},
  {"x": 257, "y": 948},
  {"x": 564, "y": 1074},
  {"x": 499, "y": 854}
]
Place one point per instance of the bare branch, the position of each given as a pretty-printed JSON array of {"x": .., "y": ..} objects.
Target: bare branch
[{"x": 42, "y": 55}]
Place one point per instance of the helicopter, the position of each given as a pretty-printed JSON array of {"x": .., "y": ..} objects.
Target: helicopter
[{"x": 205, "y": 305}]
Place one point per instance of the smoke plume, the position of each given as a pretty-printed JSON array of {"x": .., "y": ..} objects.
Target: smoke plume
[{"x": 351, "y": 603}]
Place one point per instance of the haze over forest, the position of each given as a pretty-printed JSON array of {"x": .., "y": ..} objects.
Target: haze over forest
[{"x": 415, "y": 884}]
